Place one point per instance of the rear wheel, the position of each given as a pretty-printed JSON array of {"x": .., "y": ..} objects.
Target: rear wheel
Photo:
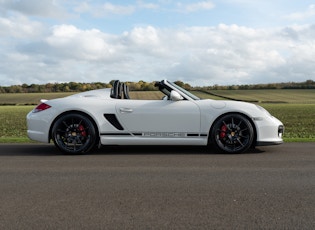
[
  {"x": 232, "y": 133},
  {"x": 74, "y": 134}
]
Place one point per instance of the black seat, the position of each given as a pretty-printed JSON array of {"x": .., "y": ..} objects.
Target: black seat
[
  {"x": 125, "y": 90},
  {"x": 116, "y": 90}
]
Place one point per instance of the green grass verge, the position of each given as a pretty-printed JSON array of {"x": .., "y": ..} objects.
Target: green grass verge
[
  {"x": 299, "y": 139},
  {"x": 13, "y": 122},
  {"x": 8, "y": 140}
]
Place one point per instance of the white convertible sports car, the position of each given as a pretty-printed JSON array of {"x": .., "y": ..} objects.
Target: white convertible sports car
[{"x": 79, "y": 122}]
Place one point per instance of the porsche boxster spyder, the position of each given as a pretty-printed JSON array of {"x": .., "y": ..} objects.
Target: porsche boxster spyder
[{"x": 78, "y": 123}]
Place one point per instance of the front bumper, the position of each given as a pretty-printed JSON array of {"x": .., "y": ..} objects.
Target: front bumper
[{"x": 269, "y": 131}]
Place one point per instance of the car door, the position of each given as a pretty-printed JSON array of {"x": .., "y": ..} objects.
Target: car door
[{"x": 159, "y": 117}]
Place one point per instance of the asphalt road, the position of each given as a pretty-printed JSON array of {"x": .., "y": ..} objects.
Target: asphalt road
[{"x": 157, "y": 188}]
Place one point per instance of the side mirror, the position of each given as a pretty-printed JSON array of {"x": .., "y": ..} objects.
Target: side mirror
[{"x": 175, "y": 96}]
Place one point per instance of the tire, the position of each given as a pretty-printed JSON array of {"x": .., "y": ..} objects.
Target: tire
[
  {"x": 74, "y": 133},
  {"x": 232, "y": 133}
]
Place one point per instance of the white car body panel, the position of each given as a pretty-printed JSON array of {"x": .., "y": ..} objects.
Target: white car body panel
[
  {"x": 151, "y": 122},
  {"x": 154, "y": 122},
  {"x": 158, "y": 116}
]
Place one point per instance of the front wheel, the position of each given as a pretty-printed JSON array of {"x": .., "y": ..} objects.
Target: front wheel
[
  {"x": 74, "y": 134},
  {"x": 232, "y": 133}
]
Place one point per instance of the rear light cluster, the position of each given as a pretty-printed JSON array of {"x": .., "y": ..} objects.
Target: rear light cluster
[{"x": 41, "y": 107}]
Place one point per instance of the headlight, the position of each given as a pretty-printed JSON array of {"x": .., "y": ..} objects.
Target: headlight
[{"x": 280, "y": 131}]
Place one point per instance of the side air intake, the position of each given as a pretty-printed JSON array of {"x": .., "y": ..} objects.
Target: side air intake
[{"x": 111, "y": 118}]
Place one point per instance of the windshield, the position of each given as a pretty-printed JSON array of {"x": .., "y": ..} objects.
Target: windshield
[{"x": 183, "y": 91}]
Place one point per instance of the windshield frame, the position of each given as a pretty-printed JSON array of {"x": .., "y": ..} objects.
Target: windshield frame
[{"x": 182, "y": 91}]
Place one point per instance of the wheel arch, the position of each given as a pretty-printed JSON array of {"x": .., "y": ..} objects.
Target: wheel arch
[
  {"x": 77, "y": 112},
  {"x": 239, "y": 113}
]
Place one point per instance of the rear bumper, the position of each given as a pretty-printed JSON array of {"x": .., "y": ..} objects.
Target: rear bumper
[
  {"x": 37, "y": 136},
  {"x": 37, "y": 127}
]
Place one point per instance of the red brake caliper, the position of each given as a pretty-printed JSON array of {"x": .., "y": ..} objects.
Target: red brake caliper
[
  {"x": 223, "y": 130},
  {"x": 82, "y": 130}
]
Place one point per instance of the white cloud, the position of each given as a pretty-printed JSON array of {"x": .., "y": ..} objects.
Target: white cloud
[
  {"x": 117, "y": 9},
  {"x": 144, "y": 37},
  {"x": 67, "y": 41},
  {"x": 42, "y": 41},
  {"x": 109, "y": 9},
  {"x": 223, "y": 54},
  {"x": 43, "y": 8},
  {"x": 146, "y": 5},
  {"x": 300, "y": 16},
  {"x": 192, "y": 7},
  {"x": 105, "y": 9},
  {"x": 19, "y": 26}
]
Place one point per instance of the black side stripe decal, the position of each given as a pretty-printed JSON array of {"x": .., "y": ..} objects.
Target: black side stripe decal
[
  {"x": 140, "y": 134},
  {"x": 115, "y": 134}
]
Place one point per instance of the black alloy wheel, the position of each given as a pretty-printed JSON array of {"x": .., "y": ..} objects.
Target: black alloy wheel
[
  {"x": 74, "y": 133},
  {"x": 233, "y": 133}
]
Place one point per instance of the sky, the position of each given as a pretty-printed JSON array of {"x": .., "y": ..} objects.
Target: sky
[{"x": 202, "y": 43}]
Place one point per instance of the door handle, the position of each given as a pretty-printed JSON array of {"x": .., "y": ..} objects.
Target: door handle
[{"x": 125, "y": 110}]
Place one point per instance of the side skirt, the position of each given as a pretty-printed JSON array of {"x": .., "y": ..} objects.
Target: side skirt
[{"x": 153, "y": 138}]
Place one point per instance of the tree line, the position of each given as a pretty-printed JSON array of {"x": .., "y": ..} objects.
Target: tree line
[
  {"x": 143, "y": 86},
  {"x": 80, "y": 87},
  {"x": 308, "y": 84}
]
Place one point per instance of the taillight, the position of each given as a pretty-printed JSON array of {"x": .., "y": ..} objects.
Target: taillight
[{"x": 41, "y": 107}]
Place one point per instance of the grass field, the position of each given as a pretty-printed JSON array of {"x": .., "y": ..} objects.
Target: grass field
[
  {"x": 28, "y": 98},
  {"x": 34, "y": 98},
  {"x": 294, "y": 96},
  {"x": 297, "y": 110},
  {"x": 13, "y": 123}
]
